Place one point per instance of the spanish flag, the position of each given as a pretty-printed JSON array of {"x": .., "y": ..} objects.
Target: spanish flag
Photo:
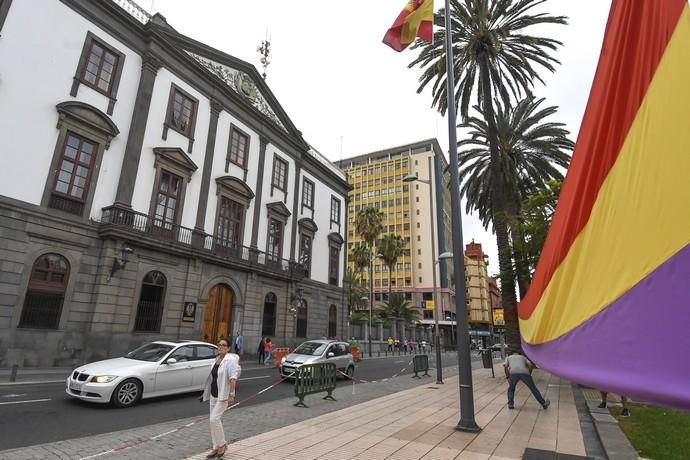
[
  {"x": 415, "y": 20},
  {"x": 609, "y": 305}
]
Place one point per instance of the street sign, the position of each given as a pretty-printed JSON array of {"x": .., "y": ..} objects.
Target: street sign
[
  {"x": 422, "y": 304},
  {"x": 430, "y": 305}
]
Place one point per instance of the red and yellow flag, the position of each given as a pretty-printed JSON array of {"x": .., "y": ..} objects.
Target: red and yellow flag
[{"x": 415, "y": 20}]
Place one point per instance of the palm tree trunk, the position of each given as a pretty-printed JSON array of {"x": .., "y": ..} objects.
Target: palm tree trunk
[
  {"x": 519, "y": 247},
  {"x": 500, "y": 218},
  {"x": 390, "y": 286}
]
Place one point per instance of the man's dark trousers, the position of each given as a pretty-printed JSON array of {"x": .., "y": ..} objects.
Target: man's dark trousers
[{"x": 527, "y": 380}]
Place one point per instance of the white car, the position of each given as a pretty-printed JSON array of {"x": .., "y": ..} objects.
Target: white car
[
  {"x": 319, "y": 351},
  {"x": 155, "y": 369}
]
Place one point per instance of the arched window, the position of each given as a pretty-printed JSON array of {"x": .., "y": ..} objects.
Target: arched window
[
  {"x": 302, "y": 320},
  {"x": 332, "y": 322},
  {"x": 268, "y": 326},
  {"x": 46, "y": 292},
  {"x": 151, "y": 301}
]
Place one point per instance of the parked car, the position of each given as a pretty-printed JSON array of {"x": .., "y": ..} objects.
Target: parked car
[
  {"x": 155, "y": 369},
  {"x": 497, "y": 347},
  {"x": 319, "y": 351}
]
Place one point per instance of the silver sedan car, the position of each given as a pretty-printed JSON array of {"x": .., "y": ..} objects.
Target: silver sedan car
[
  {"x": 319, "y": 351},
  {"x": 155, "y": 369}
]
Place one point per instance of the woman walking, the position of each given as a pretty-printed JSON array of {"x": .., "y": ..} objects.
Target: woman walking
[
  {"x": 261, "y": 350},
  {"x": 220, "y": 391},
  {"x": 268, "y": 351}
]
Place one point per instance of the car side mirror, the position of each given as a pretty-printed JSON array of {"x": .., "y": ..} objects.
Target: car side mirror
[
  {"x": 171, "y": 361},
  {"x": 331, "y": 354}
]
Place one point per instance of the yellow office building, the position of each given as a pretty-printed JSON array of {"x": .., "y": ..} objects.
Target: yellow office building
[{"x": 411, "y": 210}]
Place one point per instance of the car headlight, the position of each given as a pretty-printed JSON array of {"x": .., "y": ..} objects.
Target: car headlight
[
  {"x": 282, "y": 360},
  {"x": 103, "y": 378}
]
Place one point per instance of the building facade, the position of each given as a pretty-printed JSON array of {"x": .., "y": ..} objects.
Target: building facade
[
  {"x": 477, "y": 289},
  {"x": 152, "y": 187},
  {"x": 419, "y": 211}
]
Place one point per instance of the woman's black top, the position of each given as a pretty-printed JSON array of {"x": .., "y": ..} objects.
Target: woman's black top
[{"x": 214, "y": 382}]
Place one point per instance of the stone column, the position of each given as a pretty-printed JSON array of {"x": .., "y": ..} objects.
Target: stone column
[
  {"x": 137, "y": 128},
  {"x": 199, "y": 231}
]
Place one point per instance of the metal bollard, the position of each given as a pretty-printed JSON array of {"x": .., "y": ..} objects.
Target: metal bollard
[{"x": 13, "y": 375}]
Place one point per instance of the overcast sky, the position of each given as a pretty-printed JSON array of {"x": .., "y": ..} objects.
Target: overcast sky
[{"x": 347, "y": 92}]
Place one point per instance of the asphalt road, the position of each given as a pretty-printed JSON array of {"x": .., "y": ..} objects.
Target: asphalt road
[{"x": 39, "y": 413}]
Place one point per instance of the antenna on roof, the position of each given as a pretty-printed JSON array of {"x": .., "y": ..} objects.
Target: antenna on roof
[{"x": 265, "y": 52}]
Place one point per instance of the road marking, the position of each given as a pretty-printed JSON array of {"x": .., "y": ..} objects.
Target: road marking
[
  {"x": 23, "y": 402},
  {"x": 398, "y": 362},
  {"x": 259, "y": 377},
  {"x": 13, "y": 395}
]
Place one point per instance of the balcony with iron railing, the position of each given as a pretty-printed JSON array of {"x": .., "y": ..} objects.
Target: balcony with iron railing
[{"x": 130, "y": 221}]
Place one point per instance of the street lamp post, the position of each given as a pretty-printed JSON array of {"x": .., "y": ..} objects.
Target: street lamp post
[
  {"x": 365, "y": 298},
  {"x": 467, "y": 421},
  {"x": 437, "y": 339}
]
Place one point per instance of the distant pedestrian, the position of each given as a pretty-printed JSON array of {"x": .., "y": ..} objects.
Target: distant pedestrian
[
  {"x": 262, "y": 342},
  {"x": 268, "y": 351},
  {"x": 518, "y": 368},
  {"x": 390, "y": 343},
  {"x": 411, "y": 343},
  {"x": 624, "y": 401},
  {"x": 405, "y": 345},
  {"x": 239, "y": 340},
  {"x": 422, "y": 346},
  {"x": 220, "y": 389}
]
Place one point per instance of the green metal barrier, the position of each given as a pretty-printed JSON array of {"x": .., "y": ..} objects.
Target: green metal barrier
[
  {"x": 314, "y": 378},
  {"x": 421, "y": 364}
]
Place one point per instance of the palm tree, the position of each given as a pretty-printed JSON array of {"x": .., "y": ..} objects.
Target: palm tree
[
  {"x": 355, "y": 290},
  {"x": 368, "y": 224},
  {"x": 532, "y": 152},
  {"x": 391, "y": 248},
  {"x": 493, "y": 55},
  {"x": 397, "y": 307}
]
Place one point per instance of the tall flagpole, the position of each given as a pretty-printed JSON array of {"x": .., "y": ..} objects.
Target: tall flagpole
[{"x": 467, "y": 422}]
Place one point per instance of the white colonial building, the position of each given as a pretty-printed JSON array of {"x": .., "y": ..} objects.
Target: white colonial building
[{"x": 152, "y": 187}]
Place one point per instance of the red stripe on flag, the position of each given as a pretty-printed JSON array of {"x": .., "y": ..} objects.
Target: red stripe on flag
[{"x": 637, "y": 34}]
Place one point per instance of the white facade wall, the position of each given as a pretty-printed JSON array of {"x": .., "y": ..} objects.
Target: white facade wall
[
  {"x": 143, "y": 188},
  {"x": 36, "y": 73},
  {"x": 322, "y": 218},
  {"x": 225, "y": 120},
  {"x": 278, "y": 195}
]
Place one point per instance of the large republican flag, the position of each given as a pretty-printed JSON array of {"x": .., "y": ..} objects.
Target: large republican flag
[
  {"x": 609, "y": 305},
  {"x": 415, "y": 20}
]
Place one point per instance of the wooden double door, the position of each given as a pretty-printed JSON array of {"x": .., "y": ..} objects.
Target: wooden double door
[{"x": 218, "y": 314}]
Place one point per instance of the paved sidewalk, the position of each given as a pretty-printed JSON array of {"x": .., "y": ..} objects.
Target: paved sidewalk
[
  {"x": 399, "y": 418},
  {"x": 419, "y": 423}
]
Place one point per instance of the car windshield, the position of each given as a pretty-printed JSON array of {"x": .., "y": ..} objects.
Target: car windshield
[
  {"x": 311, "y": 348},
  {"x": 149, "y": 352}
]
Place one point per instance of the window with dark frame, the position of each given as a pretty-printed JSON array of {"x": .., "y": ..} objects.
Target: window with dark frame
[
  {"x": 238, "y": 150},
  {"x": 335, "y": 210},
  {"x": 305, "y": 244},
  {"x": 333, "y": 265},
  {"x": 302, "y": 316},
  {"x": 4, "y": 9},
  {"x": 167, "y": 201},
  {"x": 45, "y": 294},
  {"x": 275, "y": 240},
  {"x": 99, "y": 69},
  {"x": 332, "y": 321},
  {"x": 230, "y": 223},
  {"x": 279, "y": 174},
  {"x": 268, "y": 324},
  {"x": 151, "y": 303},
  {"x": 308, "y": 194},
  {"x": 182, "y": 112},
  {"x": 73, "y": 174}
]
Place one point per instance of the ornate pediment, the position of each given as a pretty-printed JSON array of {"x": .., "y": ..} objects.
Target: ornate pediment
[
  {"x": 175, "y": 156},
  {"x": 89, "y": 116},
  {"x": 236, "y": 185},
  {"x": 308, "y": 224},
  {"x": 242, "y": 84},
  {"x": 335, "y": 238},
  {"x": 279, "y": 208}
]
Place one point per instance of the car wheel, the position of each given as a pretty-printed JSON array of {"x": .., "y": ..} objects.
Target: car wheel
[
  {"x": 350, "y": 372},
  {"x": 127, "y": 393}
]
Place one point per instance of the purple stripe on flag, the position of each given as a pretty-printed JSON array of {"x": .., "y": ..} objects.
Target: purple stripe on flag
[{"x": 637, "y": 346}]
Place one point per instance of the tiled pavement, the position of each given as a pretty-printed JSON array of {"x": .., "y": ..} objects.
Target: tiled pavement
[
  {"x": 401, "y": 418},
  {"x": 419, "y": 423}
]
